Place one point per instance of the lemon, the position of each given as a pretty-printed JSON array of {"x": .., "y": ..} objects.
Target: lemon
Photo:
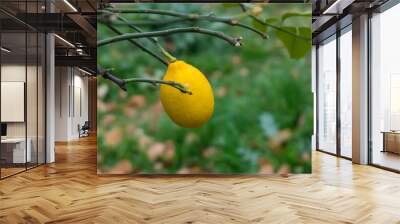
[{"x": 187, "y": 110}]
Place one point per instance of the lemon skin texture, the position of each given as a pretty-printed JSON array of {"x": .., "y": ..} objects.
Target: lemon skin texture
[{"x": 187, "y": 110}]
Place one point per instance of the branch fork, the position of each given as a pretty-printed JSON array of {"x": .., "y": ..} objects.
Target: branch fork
[{"x": 105, "y": 73}]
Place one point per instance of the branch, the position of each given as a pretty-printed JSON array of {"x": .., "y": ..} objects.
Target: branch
[
  {"x": 159, "y": 22},
  {"x": 176, "y": 85},
  {"x": 109, "y": 21},
  {"x": 243, "y": 7},
  {"x": 152, "y": 39},
  {"x": 235, "y": 41},
  {"x": 137, "y": 29},
  {"x": 146, "y": 11},
  {"x": 139, "y": 45},
  {"x": 108, "y": 75},
  {"x": 122, "y": 82},
  {"x": 191, "y": 17}
]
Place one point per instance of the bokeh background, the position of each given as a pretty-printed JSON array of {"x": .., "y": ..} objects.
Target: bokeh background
[{"x": 262, "y": 121}]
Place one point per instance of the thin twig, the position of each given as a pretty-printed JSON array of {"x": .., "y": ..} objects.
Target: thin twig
[
  {"x": 122, "y": 82},
  {"x": 124, "y": 21},
  {"x": 235, "y": 41},
  {"x": 139, "y": 45},
  {"x": 243, "y": 7},
  {"x": 158, "y": 22},
  {"x": 191, "y": 17},
  {"x": 152, "y": 39},
  {"x": 176, "y": 85}
]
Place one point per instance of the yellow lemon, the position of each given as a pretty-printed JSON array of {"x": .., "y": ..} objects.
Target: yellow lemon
[{"x": 187, "y": 110}]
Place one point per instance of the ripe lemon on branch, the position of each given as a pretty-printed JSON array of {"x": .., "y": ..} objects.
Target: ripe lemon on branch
[{"x": 187, "y": 110}]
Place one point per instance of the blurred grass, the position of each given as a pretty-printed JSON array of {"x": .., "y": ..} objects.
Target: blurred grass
[{"x": 262, "y": 121}]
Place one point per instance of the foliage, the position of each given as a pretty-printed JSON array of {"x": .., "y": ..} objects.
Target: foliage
[{"x": 262, "y": 121}]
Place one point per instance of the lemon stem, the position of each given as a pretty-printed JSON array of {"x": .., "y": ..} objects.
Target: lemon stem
[{"x": 166, "y": 53}]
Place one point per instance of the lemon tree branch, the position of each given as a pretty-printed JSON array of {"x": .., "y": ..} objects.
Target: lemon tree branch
[
  {"x": 154, "y": 22},
  {"x": 176, "y": 85},
  {"x": 137, "y": 29},
  {"x": 192, "y": 17},
  {"x": 109, "y": 20},
  {"x": 153, "y": 39},
  {"x": 140, "y": 46},
  {"x": 235, "y": 41},
  {"x": 108, "y": 75},
  {"x": 243, "y": 7},
  {"x": 122, "y": 82}
]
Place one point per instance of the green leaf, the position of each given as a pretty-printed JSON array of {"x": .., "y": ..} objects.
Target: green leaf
[
  {"x": 259, "y": 26},
  {"x": 297, "y": 47},
  {"x": 229, "y": 5},
  {"x": 271, "y": 20},
  {"x": 295, "y": 14}
]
